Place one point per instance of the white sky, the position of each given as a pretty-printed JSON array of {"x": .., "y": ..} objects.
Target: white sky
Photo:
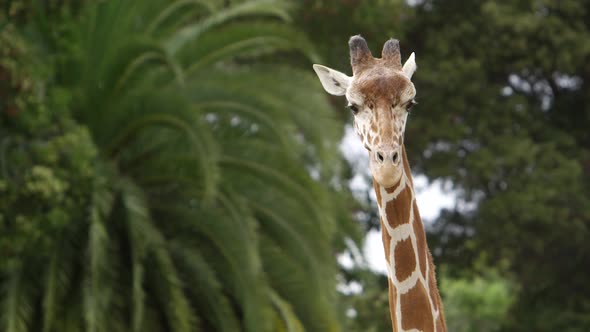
[{"x": 431, "y": 198}]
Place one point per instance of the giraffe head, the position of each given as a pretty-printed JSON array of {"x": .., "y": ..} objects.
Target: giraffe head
[{"x": 380, "y": 95}]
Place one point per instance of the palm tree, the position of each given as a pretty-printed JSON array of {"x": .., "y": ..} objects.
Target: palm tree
[{"x": 202, "y": 214}]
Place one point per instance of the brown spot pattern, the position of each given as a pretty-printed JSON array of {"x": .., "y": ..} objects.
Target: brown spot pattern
[
  {"x": 386, "y": 241},
  {"x": 377, "y": 192},
  {"x": 404, "y": 258},
  {"x": 398, "y": 210},
  {"x": 392, "y": 304},
  {"x": 416, "y": 309},
  {"x": 420, "y": 241}
]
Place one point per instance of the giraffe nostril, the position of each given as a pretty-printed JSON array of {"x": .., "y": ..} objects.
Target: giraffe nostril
[
  {"x": 395, "y": 157},
  {"x": 379, "y": 156}
]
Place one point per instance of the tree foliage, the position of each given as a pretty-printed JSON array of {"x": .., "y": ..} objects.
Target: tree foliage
[
  {"x": 477, "y": 302},
  {"x": 155, "y": 170}
]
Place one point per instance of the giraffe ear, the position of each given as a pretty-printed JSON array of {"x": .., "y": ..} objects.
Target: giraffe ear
[
  {"x": 333, "y": 81},
  {"x": 410, "y": 66}
]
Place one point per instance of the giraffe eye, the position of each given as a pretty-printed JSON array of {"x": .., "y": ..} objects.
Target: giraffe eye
[
  {"x": 353, "y": 108},
  {"x": 411, "y": 104}
]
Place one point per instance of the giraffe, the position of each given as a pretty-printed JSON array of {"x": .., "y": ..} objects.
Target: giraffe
[{"x": 380, "y": 95}]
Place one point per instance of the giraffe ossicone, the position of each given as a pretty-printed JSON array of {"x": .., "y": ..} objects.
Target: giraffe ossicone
[{"x": 380, "y": 94}]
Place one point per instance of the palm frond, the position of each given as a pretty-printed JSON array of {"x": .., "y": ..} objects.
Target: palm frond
[
  {"x": 244, "y": 39},
  {"x": 146, "y": 239},
  {"x": 255, "y": 8},
  {"x": 137, "y": 217},
  {"x": 17, "y": 310},
  {"x": 154, "y": 54},
  {"x": 244, "y": 111},
  {"x": 292, "y": 283},
  {"x": 175, "y": 8},
  {"x": 247, "y": 265},
  {"x": 175, "y": 122},
  {"x": 206, "y": 290},
  {"x": 262, "y": 171},
  {"x": 97, "y": 292},
  {"x": 170, "y": 290},
  {"x": 288, "y": 316},
  {"x": 58, "y": 278}
]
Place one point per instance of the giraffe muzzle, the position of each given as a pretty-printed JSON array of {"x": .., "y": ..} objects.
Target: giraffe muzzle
[
  {"x": 388, "y": 155},
  {"x": 385, "y": 165}
]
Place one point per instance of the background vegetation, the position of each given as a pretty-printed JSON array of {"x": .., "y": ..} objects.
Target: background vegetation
[{"x": 174, "y": 165}]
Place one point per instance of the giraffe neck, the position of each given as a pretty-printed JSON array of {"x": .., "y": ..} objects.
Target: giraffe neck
[{"x": 414, "y": 300}]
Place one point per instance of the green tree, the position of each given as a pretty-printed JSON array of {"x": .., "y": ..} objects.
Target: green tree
[
  {"x": 156, "y": 171},
  {"x": 477, "y": 302}
]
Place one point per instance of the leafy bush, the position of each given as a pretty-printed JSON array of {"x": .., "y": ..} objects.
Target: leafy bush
[{"x": 477, "y": 303}]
